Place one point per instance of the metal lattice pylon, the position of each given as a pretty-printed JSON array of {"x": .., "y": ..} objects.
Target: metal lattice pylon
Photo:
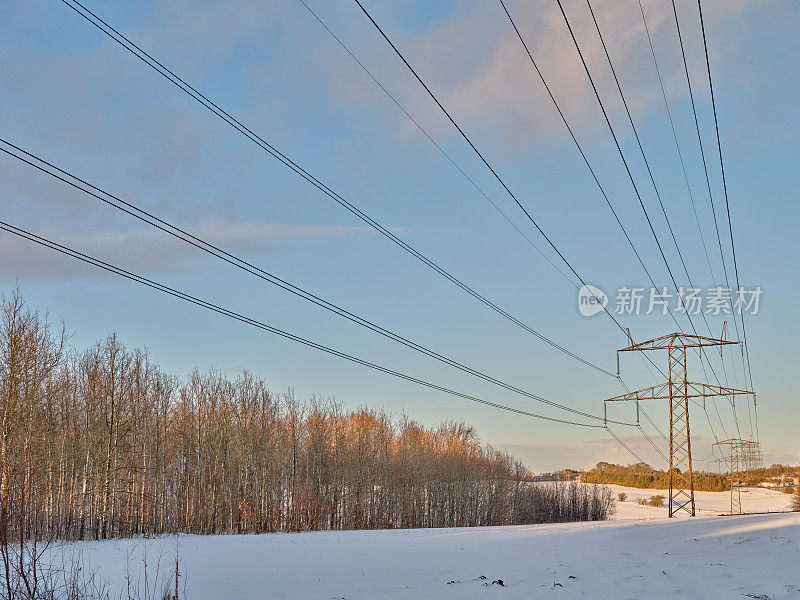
[
  {"x": 678, "y": 390},
  {"x": 740, "y": 457}
]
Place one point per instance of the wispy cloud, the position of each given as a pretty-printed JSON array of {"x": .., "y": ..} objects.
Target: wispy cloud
[
  {"x": 475, "y": 63},
  {"x": 147, "y": 250}
]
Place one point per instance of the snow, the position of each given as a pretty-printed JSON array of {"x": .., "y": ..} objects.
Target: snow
[
  {"x": 640, "y": 554},
  {"x": 754, "y": 500}
]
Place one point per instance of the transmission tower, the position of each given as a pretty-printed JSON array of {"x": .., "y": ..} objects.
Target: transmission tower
[
  {"x": 740, "y": 457},
  {"x": 678, "y": 390}
]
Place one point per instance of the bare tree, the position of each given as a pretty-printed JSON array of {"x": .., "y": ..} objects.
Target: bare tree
[{"x": 103, "y": 443}]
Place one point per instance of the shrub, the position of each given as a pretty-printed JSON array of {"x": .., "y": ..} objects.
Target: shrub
[
  {"x": 561, "y": 502},
  {"x": 643, "y": 501},
  {"x": 622, "y": 497},
  {"x": 657, "y": 500}
]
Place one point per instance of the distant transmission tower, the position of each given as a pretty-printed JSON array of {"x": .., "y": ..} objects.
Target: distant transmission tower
[
  {"x": 678, "y": 390},
  {"x": 740, "y": 456}
]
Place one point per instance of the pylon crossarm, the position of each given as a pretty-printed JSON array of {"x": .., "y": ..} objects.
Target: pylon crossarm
[
  {"x": 677, "y": 339},
  {"x": 693, "y": 390}
]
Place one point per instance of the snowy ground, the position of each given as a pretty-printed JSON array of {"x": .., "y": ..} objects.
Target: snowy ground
[
  {"x": 640, "y": 554},
  {"x": 707, "y": 503}
]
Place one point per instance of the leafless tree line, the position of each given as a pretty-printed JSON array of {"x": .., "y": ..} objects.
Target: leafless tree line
[{"x": 102, "y": 443}]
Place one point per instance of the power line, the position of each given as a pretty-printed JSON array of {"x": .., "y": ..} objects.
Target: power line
[
  {"x": 702, "y": 151},
  {"x": 677, "y": 144},
  {"x": 591, "y": 170},
  {"x": 484, "y": 160},
  {"x": 492, "y": 170},
  {"x": 249, "y": 321},
  {"x": 279, "y": 156},
  {"x": 636, "y": 136},
  {"x": 640, "y": 409},
  {"x": 654, "y": 445},
  {"x": 633, "y": 183},
  {"x": 621, "y": 154},
  {"x": 650, "y": 172},
  {"x": 652, "y": 423},
  {"x": 624, "y": 445},
  {"x": 705, "y": 164},
  {"x": 209, "y": 248},
  {"x": 176, "y": 80},
  {"x": 435, "y": 143},
  {"x": 585, "y": 160},
  {"x": 725, "y": 189},
  {"x": 489, "y": 166},
  {"x": 577, "y": 144},
  {"x": 447, "y": 156},
  {"x": 147, "y": 59},
  {"x": 646, "y": 162}
]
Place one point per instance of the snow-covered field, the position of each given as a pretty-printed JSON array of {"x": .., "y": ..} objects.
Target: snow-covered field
[
  {"x": 640, "y": 554},
  {"x": 707, "y": 503}
]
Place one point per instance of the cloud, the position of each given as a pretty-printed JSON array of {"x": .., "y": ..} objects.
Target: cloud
[
  {"x": 788, "y": 458},
  {"x": 476, "y": 65},
  {"x": 254, "y": 235},
  {"x": 145, "y": 251}
]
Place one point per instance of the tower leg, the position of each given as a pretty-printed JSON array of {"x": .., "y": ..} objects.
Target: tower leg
[{"x": 681, "y": 477}]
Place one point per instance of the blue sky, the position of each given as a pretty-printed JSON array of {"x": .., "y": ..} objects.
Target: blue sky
[{"x": 72, "y": 96}]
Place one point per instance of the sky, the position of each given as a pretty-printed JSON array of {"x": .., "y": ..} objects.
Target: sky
[{"x": 72, "y": 96}]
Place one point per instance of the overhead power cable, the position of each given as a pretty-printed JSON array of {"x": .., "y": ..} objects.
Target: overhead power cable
[
  {"x": 705, "y": 170},
  {"x": 620, "y": 152},
  {"x": 205, "y": 246},
  {"x": 677, "y": 144},
  {"x": 702, "y": 152},
  {"x": 142, "y": 55},
  {"x": 494, "y": 172},
  {"x": 725, "y": 188},
  {"x": 644, "y": 156},
  {"x": 646, "y": 162},
  {"x": 447, "y": 156},
  {"x": 133, "y": 48},
  {"x": 263, "y": 326},
  {"x": 633, "y": 181},
  {"x": 636, "y": 136},
  {"x": 435, "y": 143},
  {"x": 652, "y": 178},
  {"x": 483, "y": 158},
  {"x": 416, "y": 123},
  {"x": 624, "y": 445},
  {"x": 654, "y": 445},
  {"x": 594, "y": 176}
]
